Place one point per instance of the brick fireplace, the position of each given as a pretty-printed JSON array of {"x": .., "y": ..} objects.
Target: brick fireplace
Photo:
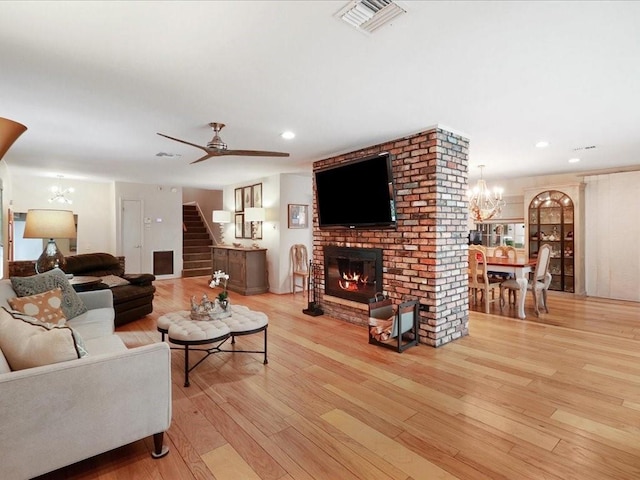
[{"x": 425, "y": 256}]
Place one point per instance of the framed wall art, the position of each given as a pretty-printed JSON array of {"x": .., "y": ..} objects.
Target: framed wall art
[
  {"x": 239, "y": 204},
  {"x": 246, "y": 228},
  {"x": 239, "y": 220},
  {"x": 247, "y": 197},
  {"x": 257, "y": 195},
  {"x": 298, "y": 216}
]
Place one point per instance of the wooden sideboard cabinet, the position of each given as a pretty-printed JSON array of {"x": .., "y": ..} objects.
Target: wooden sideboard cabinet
[{"x": 247, "y": 268}]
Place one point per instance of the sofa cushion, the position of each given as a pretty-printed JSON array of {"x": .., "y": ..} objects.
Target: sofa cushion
[
  {"x": 106, "y": 345},
  {"x": 28, "y": 343},
  {"x": 93, "y": 264},
  {"x": 113, "y": 281},
  {"x": 72, "y": 306},
  {"x": 45, "y": 306},
  {"x": 95, "y": 323}
]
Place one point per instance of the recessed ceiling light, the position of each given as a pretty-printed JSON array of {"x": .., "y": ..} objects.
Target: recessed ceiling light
[
  {"x": 574, "y": 160},
  {"x": 542, "y": 144},
  {"x": 288, "y": 135}
]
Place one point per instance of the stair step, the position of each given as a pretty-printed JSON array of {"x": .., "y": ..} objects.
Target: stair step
[
  {"x": 188, "y": 265},
  {"x": 197, "y": 272},
  {"x": 205, "y": 242},
  {"x": 195, "y": 227},
  {"x": 195, "y": 236},
  {"x": 197, "y": 258},
  {"x": 189, "y": 257},
  {"x": 196, "y": 249}
]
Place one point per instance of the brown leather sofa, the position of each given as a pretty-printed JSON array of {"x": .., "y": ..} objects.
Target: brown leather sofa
[{"x": 132, "y": 301}]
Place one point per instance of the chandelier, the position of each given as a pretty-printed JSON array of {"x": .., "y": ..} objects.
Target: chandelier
[
  {"x": 59, "y": 194},
  {"x": 484, "y": 204}
]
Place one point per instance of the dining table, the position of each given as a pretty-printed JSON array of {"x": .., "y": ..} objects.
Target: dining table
[{"x": 520, "y": 268}]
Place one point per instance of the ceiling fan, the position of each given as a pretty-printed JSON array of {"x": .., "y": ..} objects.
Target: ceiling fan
[{"x": 217, "y": 148}]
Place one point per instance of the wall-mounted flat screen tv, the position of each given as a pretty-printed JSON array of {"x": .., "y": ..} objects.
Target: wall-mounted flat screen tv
[{"x": 358, "y": 194}]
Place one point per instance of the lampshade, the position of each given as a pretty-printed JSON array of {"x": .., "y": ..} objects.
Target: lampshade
[
  {"x": 50, "y": 224},
  {"x": 221, "y": 216},
  {"x": 9, "y": 133},
  {"x": 254, "y": 214}
]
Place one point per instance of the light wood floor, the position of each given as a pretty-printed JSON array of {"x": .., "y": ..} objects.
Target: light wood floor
[{"x": 551, "y": 398}]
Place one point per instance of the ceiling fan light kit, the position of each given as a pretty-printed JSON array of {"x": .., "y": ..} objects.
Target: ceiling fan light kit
[{"x": 217, "y": 148}]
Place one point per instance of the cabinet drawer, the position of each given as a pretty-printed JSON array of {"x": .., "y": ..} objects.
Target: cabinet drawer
[
  {"x": 236, "y": 256},
  {"x": 219, "y": 253}
]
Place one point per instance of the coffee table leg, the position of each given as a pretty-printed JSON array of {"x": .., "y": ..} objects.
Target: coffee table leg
[
  {"x": 265, "y": 347},
  {"x": 186, "y": 365}
]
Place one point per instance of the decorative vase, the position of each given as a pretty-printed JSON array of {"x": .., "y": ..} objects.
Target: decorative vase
[{"x": 224, "y": 303}]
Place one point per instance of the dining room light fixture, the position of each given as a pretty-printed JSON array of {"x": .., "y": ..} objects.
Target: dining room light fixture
[
  {"x": 221, "y": 217},
  {"x": 254, "y": 215},
  {"x": 484, "y": 204}
]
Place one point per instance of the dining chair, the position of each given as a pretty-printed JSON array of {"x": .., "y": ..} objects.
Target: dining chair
[
  {"x": 538, "y": 285},
  {"x": 479, "y": 280},
  {"x": 504, "y": 251},
  {"x": 299, "y": 267}
]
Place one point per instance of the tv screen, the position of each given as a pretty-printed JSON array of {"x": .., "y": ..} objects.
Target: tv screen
[{"x": 357, "y": 194}]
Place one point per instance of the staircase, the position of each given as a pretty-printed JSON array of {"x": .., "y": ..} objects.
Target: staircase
[{"x": 196, "y": 244}]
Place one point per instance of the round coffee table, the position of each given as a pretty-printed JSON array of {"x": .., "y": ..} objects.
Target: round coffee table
[{"x": 181, "y": 330}]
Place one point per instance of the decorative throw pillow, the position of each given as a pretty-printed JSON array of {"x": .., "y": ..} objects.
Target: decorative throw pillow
[
  {"x": 28, "y": 343},
  {"x": 72, "y": 306},
  {"x": 114, "y": 281},
  {"x": 44, "y": 307}
]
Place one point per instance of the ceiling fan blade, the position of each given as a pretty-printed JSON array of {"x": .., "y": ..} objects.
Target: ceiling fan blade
[
  {"x": 206, "y": 157},
  {"x": 184, "y": 141},
  {"x": 253, "y": 153}
]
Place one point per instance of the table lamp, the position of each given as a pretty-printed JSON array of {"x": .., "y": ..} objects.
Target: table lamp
[
  {"x": 221, "y": 217},
  {"x": 254, "y": 215},
  {"x": 50, "y": 224},
  {"x": 9, "y": 133}
]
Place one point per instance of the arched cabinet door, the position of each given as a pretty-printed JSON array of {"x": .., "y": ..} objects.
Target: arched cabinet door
[{"x": 551, "y": 221}]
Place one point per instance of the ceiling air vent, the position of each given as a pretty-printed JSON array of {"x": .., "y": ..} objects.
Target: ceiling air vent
[{"x": 369, "y": 15}]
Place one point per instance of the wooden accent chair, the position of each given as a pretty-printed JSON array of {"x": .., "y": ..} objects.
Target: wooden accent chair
[{"x": 299, "y": 260}]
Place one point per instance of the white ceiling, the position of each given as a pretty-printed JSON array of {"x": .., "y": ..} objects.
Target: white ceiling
[{"x": 95, "y": 81}]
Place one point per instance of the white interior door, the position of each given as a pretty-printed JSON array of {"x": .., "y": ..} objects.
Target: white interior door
[{"x": 132, "y": 235}]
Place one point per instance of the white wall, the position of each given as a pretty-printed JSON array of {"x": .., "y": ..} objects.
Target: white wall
[
  {"x": 294, "y": 189},
  {"x": 92, "y": 202},
  {"x": 162, "y": 231},
  {"x": 277, "y": 192},
  {"x": 613, "y": 231}
]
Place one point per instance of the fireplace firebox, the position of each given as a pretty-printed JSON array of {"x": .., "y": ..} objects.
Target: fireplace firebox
[{"x": 352, "y": 273}]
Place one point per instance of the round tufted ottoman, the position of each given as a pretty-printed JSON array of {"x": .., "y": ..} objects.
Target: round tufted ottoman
[{"x": 186, "y": 332}]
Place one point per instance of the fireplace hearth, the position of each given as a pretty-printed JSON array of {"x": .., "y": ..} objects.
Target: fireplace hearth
[{"x": 352, "y": 273}]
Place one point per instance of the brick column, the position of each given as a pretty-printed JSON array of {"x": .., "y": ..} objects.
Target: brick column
[{"x": 425, "y": 256}]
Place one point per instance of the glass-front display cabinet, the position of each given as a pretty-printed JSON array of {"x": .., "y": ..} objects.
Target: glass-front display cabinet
[{"x": 551, "y": 221}]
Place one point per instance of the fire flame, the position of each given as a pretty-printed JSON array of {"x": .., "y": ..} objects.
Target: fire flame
[{"x": 351, "y": 281}]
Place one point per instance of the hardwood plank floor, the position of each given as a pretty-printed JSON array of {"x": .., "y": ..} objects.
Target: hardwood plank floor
[{"x": 554, "y": 397}]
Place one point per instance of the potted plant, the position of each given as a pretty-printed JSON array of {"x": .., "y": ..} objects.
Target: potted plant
[{"x": 223, "y": 297}]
